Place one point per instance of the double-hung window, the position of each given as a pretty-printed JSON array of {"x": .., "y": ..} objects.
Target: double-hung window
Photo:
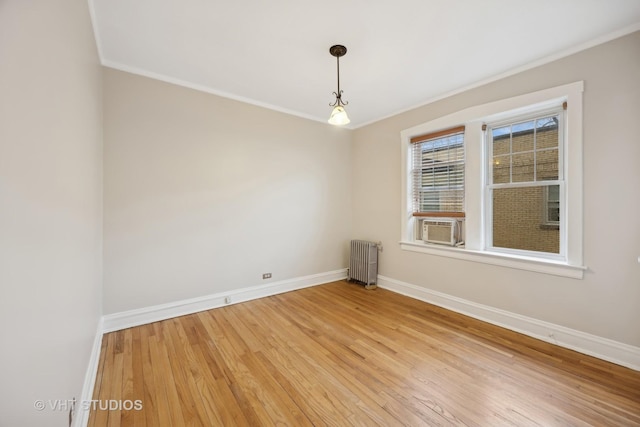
[{"x": 525, "y": 181}]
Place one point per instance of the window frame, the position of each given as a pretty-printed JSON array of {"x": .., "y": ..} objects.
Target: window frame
[{"x": 472, "y": 118}]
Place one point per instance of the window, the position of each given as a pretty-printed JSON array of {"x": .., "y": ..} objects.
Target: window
[
  {"x": 528, "y": 155},
  {"x": 524, "y": 183},
  {"x": 552, "y": 206},
  {"x": 438, "y": 173}
]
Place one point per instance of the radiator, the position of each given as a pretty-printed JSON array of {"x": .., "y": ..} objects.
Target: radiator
[{"x": 363, "y": 263}]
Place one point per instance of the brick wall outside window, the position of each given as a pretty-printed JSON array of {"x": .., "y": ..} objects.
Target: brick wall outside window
[{"x": 519, "y": 213}]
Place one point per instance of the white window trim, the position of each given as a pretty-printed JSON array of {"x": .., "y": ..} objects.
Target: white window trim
[{"x": 475, "y": 172}]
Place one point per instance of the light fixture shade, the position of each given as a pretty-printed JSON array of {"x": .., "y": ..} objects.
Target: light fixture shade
[{"x": 339, "y": 116}]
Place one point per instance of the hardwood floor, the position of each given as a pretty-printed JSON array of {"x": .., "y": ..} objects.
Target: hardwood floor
[{"x": 338, "y": 354}]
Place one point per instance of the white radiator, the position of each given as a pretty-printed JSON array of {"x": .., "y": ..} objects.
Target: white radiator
[{"x": 363, "y": 263}]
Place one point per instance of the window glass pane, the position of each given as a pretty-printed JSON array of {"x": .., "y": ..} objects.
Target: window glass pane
[
  {"x": 547, "y": 165},
  {"x": 522, "y": 139},
  {"x": 547, "y": 122},
  {"x": 522, "y": 127},
  {"x": 554, "y": 212},
  {"x": 502, "y": 140},
  {"x": 522, "y": 167},
  {"x": 501, "y": 169},
  {"x": 547, "y": 133},
  {"x": 553, "y": 204},
  {"x": 519, "y": 223}
]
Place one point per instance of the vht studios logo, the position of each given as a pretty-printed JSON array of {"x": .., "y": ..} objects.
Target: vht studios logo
[{"x": 93, "y": 405}]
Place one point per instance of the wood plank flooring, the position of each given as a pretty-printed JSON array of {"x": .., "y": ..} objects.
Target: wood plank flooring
[{"x": 338, "y": 354}]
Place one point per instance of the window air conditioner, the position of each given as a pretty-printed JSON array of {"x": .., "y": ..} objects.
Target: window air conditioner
[{"x": 440, "y": 230}]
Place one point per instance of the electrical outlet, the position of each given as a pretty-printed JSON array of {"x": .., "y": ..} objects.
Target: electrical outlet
[{"x": 266, "y": 276}]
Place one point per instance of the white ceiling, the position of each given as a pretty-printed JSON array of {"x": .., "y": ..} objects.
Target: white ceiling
[{"x": 401, "y": 53}]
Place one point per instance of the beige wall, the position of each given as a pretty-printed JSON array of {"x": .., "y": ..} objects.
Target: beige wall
[
  {"x": 605, "y": 302},
  {"x": 204, "y": 194},
  {"x": 50, "y": 205}
]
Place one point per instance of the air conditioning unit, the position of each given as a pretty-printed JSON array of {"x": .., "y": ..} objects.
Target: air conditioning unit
[{"x": 443, "y": 231}]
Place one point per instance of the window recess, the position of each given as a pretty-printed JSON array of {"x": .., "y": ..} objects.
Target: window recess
[{"x": 559, "y": 199}]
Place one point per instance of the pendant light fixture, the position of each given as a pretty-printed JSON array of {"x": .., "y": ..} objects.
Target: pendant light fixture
[{"x": 338, "y": 115}]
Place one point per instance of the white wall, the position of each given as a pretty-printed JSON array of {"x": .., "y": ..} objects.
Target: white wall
[
  {"x": 50, "y": 205},
  {"x": 204, "y": 194},
  {"x": 605, "y": 303}
]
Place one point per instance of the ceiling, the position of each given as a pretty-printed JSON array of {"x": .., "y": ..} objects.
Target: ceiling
[{"x": 401, "y": 53}]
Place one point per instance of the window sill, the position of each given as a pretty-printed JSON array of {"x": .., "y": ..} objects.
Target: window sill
[{"x": 556, "y": 268}]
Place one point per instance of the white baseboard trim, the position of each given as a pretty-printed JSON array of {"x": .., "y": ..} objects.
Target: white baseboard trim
[
  {"x": 128, "y": 319},
  {"x": 592, "y": 345},
  {"x": 81, "y": 415}
]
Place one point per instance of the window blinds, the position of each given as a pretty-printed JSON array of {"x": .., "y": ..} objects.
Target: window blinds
[{"x": 438, "y": 173}]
